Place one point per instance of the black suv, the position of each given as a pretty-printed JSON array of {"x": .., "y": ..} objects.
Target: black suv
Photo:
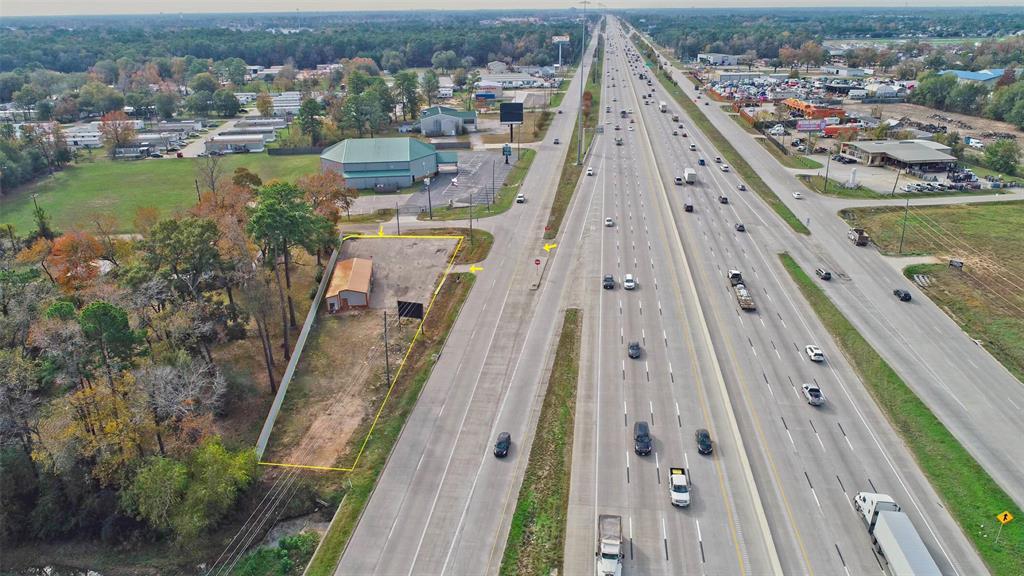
[
  {"x": 633, "y": 349},
  {"x": 823, "y": 274},
  {"x": 902, "y": 294},
  {"x": 642, "y": 442},
  {"x": 502, "y": 444},
  {"x": 703, "y": 441},
  {"x": 608, "y": 282}
]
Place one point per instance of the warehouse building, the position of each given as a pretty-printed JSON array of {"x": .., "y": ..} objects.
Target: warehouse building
[
  {"x": 350, "y": 285},
  {"x": 384, "y": 163},
  {"x": 922, "y": 155},
  {"x": 445, "y": 121}
]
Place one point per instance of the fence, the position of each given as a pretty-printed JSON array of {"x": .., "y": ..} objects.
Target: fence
[
  {"x": 295, "y": 151},
  {"x": 452, "y": 145}
]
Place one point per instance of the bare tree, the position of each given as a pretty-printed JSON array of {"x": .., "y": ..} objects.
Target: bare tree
[
  {"x": 208, "y": 172},
  {"x": 176, "y": 392}
]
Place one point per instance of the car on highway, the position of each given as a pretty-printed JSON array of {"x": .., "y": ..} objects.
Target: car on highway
[
  {"x": 723, "y": 199},
  {"x": 556, "y": 141},
  {"x": 590, "y": 171},
  {"x": 675, "y": 132},
  {"x": 156, "y": 155},
  {"x": 813, "y": 394},
  {"x": 740, "y": 227},
  {"x": 630, "y": 128},
  {"x": 680, "y": 126},
  {"x": 706, "y": 103},
  {"x": 642, "y": 442},
  {"x": 629, "y": 282},
  {"x": 608, "y": 282},
  {"x": 814, "y": 353},
  {"x": 502, "y": 444},
  {"x": 693, "y": 147},
  {"x": 902, "y": 294},
  {"x": 703, "y": 438},
  {"x": 798, "y": 195},
  {"x": 725, "y": 167},
  {"x": 718, "y": 159},
  {"x": 617, "y": 127},
  {"x": 633, "y": 349},
  {"x": 688, "y": 207},
  {"x": 609, "y": 222},
  {"x": 742, "y": 187},
  {"x": 823, "y": 274},
  {"x": 678, "y": 180}
]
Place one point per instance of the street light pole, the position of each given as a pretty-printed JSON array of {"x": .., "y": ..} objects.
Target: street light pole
[
  {"x": 896, "y": 181},
  {"x": 583, "y": 81},
  {"x": 906, "y": 212},
  {"x": 827, "y": 164}
]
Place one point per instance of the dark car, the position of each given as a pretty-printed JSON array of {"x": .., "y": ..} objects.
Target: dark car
[
  {"x": 740, "y": 227},
  {"x": 823, "y": 274},
  {"x": 502, "y": 444},
  {"x": 688, "y": 207},
  {"x": 642, "y": 442},
  {"x": 723, "y": 199},
  {"x": 608, "y": 282},
  {"x": 902, "y": 294},
  {"x": 703, "y": 441},
  {"x": 633, "y": 349}
]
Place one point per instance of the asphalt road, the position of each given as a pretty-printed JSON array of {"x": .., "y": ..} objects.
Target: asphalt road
[
  {"x": 443, "y": 503},
  {"x": 973, "y": 395},
  {"x": 807, "y": 462}
]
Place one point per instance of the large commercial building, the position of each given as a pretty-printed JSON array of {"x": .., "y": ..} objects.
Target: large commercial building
[
  {"x": 715, "y": 59},
  {"x": 987, "y": 77},
  {"x": 922, "y": 155},
  {"x": 445, "y": 121},
  {"x": 383, "y": 163}
]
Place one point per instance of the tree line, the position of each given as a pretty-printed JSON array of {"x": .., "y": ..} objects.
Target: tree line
[{"x": 113, "y": 357}]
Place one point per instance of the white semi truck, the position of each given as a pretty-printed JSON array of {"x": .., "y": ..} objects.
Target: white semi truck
[
  {"x": 894, "y": 536},
  {"x": 609, "y": 545},
  {"x": 690, "y": 175}
]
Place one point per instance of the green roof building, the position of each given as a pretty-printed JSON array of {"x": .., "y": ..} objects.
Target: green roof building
[
  {"x": 445, "y": 121},
  {"x": 383, "y": 163}
]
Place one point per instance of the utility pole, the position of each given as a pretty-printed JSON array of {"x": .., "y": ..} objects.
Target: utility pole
[
  {"x": 199, "y": 197},
  {"x": 471, "y": 217},
  {"x": 827, "y": 164},
  {"x": 398, "y": 218},
  {"x": 906, "y": 212},
  {"x": 430, "y": 206},
  {"x": 896, "y": 181},
  {"x": 387, "y": 359},
  {"x": 583, "y": 80}
]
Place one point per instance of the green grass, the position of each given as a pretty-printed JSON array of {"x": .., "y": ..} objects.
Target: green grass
[
  {"x": 285, "y": 559},
  {"x": 967, "y": 491},
  {"x": 73, "y": 196},
  {"x": 988, "y": 309},
  {"x": 506, "y": 194},
  {"x": 380, "y": 215},
  {"x": 743, "y": 124},
  {"x": 752, "y": 179},
  {"x": 536, "y": 539},
  {"x": 973, "y": 161},
  {"x": 556, "y": 99},
  {"x": 571, "y": 172},
  {"x": 801, "y": 162},
  {"x": 364, "y": 478}
]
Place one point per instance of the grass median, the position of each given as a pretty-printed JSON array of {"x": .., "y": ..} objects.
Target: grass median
[
  {"x": 739, "y": 164},
  {"x": 972, "y": 497},
  {"x": 536, "y": 539},
  {"x": 362, "y": 481}
]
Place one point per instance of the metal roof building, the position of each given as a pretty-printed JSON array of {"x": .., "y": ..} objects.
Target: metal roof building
[
  {"x": 918, "y": 154},
  {"x": 445, "y": 121},
  {"x": 382, "y": 163},
  {"x": 350, "y": 285}
]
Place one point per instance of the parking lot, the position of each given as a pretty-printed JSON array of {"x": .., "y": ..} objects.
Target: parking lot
[{"x": 480, "y": 173}]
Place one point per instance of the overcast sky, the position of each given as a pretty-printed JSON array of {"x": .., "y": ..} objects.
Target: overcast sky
[{"x": 63, "y": 7}]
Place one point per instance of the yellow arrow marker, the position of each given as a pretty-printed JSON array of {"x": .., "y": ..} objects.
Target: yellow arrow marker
[
  {"x": 475, "y": 268},
  {"x": 549, "y": 247},
  {"x": 381, "y": 231}
]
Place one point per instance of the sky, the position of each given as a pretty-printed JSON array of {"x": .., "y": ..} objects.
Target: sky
[{"x": 97, "y": 7}]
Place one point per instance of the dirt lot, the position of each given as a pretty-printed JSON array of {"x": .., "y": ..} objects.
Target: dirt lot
[
  {"x": 340, "y": 379},
  {"x": 922, "y": 113}
]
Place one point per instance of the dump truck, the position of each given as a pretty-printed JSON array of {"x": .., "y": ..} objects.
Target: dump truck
[
  {"x": 894, "y": 537},
  {"x": 743, "y": 297},
  {"x": 662, "y": 106},
  {"x": 679, "y": 487},
  {"x": 690, "y": 175},
  {"x": 858, "y": 236},
  {"x": 609, "y": 545}
]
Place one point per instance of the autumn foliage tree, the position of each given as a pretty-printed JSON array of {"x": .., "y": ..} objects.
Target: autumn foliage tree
[
  {"x": 117, "y": 131},
  {"x": 71, "y": 260}
]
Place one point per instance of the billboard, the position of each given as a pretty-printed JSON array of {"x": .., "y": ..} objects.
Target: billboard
[
  {"x": 558, "y": 39},
  {"x": 511, "y": 113},
  {"x": 810, "y": 125},
  {"x": 410, "y": 309}
]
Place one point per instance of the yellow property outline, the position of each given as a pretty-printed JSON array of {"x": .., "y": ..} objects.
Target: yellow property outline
[{"x": 401, "y": 366}]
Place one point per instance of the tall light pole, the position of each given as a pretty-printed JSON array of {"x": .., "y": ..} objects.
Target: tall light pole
[{"x": 583, "y": 81}]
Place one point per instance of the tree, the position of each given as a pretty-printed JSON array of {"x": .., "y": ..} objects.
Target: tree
[
  {"x": 357, "y": 82},
  {"x": 265, "y": 104},
  {"x": 117, "y": 131},
  {"x": 407, "y": 93},
  {"x": 208, "y": 172},
  {"x": 329, "y": 195},
  {"x": 179, "y": 392},
  {"x": 933, "y": 90},
  {"x": 459, "y": 77},
  {"x": 1003, "y": 156},
  {"x": 392, "y": 61},
  {"x": 309, "y": 118},
  {"x": 19, "y": 386},
  {"x": 811, "y": 53},
  {"x": 204, "y": 82},
  {"x": 109, "y": 338},
  {"x": 71, "y": 260},
  {"x": 232, "y": 70},
  {"x": 967, "y": 98},
  {"x": 225, "y": 102},
  {"x": 445, "y": 60},
  {"x": 200, "y": 102},
  {"x": 156, "y": 493},
  {"x": 1009, "y": 77},
  {"x": 429, "y": 83},
  {"x": 166, "y": 103},
  {"x": 789, "y": 56},
  {"x": 184, "y": 252},
  {"x": 244, "y": 178}
]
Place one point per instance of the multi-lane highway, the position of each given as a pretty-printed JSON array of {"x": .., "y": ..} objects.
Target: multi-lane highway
[
  {"x": 974, "y": 395},
  {"x": 806, "y": 461}
]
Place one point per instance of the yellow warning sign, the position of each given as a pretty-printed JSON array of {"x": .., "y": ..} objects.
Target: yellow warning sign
[{"x": 1004, "y": 518}]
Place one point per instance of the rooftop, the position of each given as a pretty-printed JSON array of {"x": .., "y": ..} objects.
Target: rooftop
[
  {"x": 909, "y": 151},
  {"x": 351, "y": 275},
  {"x": 435, "y": 110},
  {"x": 979, "y": 76},
  {"x": 363, "y": 150}
]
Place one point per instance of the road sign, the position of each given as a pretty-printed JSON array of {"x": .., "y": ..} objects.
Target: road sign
[
  {"x": 506, "y": 150},
  {"x": 1005, "y": 518},
  {"x": 537, "y": 262}
]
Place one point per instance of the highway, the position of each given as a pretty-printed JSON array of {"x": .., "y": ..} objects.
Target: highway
[
  {"x": 807, "y": 461},
  {"x": 974, "y": 395},
  {"x": 443, "y": 503}
]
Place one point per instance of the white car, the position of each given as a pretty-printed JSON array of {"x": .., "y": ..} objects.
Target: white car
[
  {"x": 725, "y": 167},
  {"x": 814, "y": 353},
  {"x": 590, "y": 171},
  {"x": 608, "y": 222},
  {"x": 629, "y": 282},
  {"x": 520, "y": 199},
  {"x": 630, "y": 128},
  {"x": 798, "y": 195},
  {"x": 813, "y": 394}
]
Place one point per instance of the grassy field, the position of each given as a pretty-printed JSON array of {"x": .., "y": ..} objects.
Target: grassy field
[
  {"x": 73, "y": 196},
  {"x": 536, "y": 539},
  {"x": 987, "y": 302},
  {"x": 801, "y": 162},
  {"x": 570, "y": 170},
  {"x": 967, "y": 491},
  {"x": 357, "y": 491},
  {"x": 506, "y": 194},
  {"x": 742, "y": 167}
]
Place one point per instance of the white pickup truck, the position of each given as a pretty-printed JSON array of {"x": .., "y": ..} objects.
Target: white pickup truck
[{"x": 679, "y": 487}]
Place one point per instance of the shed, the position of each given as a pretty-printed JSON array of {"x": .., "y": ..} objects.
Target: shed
[{"x": 350, "y": 285}]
